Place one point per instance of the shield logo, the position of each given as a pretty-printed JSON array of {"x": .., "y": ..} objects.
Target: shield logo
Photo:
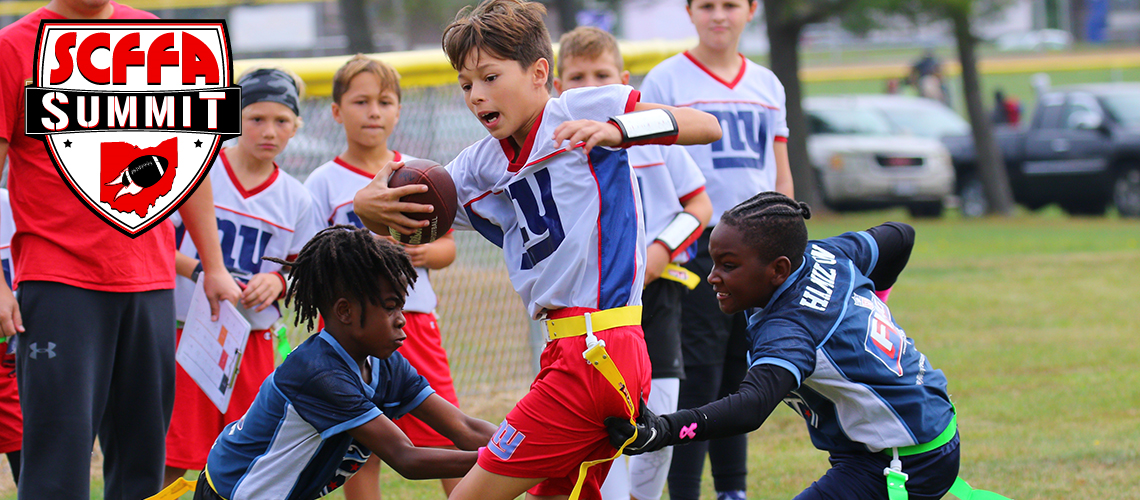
[{"x": 133, "y": 113}]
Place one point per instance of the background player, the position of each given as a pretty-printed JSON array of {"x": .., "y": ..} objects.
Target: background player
[
  {"x": 751, "y": 157},
  {"x": 103, "y": 299},
  {"x": 366, "y": 101},
  {"x": 676, "y": 207},
  {"x": 329, "y": 405},
  {"x": 261, "y": 211},
  {"x": 565, "y": 212},
  {"x": 828, "y": 347},
  {"x": 11, "y": 420}
]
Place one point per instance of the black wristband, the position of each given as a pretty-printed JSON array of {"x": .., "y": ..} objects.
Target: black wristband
[{"x": 197, "y": 271}]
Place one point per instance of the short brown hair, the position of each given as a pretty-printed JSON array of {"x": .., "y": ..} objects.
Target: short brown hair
[
  {"x": 360, "y": 63},
  {"x": 508, "y": 29},
  {"x": 588, "y": 42}
]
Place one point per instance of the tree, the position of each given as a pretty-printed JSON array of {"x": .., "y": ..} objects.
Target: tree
[
  {"x": 354, "y": 19},
  {"x": 786, "y": 20},
  {"x": 991, "y": 166}
]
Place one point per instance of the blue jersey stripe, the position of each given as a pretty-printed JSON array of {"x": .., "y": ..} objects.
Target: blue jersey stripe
[
  {"x": 846, "y": 302},
  {"x": 617, "y": 227},
  {"x": 491, "y": 232},
  {"x": 874, "y": 251}
]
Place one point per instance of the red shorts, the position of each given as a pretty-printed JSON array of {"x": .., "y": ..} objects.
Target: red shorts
[
  {"x": 424, "y": 350},
  {"x": 559, "y": 423},
  {"x": 196, "y": 422},
  {"x": 11, "y": 420}
]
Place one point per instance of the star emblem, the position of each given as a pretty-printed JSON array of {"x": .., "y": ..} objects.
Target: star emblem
[
  {"x": 67, "y": 143},
  {"x": 198, "y": 143}
]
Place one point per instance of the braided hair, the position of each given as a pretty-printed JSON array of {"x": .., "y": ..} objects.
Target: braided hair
[
  {"x": 773, "y": 224},
  {"x": 344, "y": 261}
]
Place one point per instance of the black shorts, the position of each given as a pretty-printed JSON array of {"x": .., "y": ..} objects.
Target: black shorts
[
  {"x": 203, "y": 491},
  {"x": 661, "y": 322},
  {"x": 707, "y": 334}
]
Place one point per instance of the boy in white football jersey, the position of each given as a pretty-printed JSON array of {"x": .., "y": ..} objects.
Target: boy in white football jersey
[
  {"x": 751, "y": 157},
  {"x": 553, "y": 188},
  {"x": 261, "y": 212},
  {"x": 676, "y": 207},
  {"x": 366, "y": 101}
]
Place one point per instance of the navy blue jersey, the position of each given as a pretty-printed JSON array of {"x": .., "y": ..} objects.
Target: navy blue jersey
[
  {"x": 292, "y": 444},
  {"x": 862, "y": 385}
]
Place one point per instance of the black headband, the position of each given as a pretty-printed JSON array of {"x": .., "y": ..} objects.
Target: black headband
[{"x": 271, "y": 85}]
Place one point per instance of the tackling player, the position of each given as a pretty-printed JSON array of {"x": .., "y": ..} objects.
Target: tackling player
[
  {"x": 553, "y": 189},
  {"x": 825, "y": 344},
  {"x": 676, "y": 208},
  {"x": 366, "y": 101},
  {"x": 261, "y": 211},
  {"x": 329, "y": 405},
  {"x": 751, "y": 157}
]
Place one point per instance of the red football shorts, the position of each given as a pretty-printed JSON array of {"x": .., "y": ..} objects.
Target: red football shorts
[
  {"x": 11, "y": 420},
  {"x": 559, "y": 423},
  {"x": 196, "y": 422},
  {"x": 424, "y": 350}
]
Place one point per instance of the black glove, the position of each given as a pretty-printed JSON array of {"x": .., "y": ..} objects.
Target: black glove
[{"x": 653, "y": 432}]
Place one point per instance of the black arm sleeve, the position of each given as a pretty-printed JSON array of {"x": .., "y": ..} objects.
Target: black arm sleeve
[
  {"x": 743, "y": 411},
  {"x": 895, "y": 241}
]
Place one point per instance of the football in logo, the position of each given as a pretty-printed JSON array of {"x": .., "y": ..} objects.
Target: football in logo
[{"x": 142, "y": 172}]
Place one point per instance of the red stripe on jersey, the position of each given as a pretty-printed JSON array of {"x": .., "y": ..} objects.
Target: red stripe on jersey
[
  {"x": 779, "y": 138},
  {"x": 739, "y": 74},
  {"x": 237, "y": 184},
  {"x": 477, "y": 198},
  {"x": 243, "y": 214},
  {"x": 517, "y": 158},
  {"x": 647, "y": 165},
  {"x": 335, "y": 209},
  {"x": 690, "y": 196},
  {"x": 631, "y": 102},
  {"x": 728, "y": 101},
  {"x": 357, "y": 170}
]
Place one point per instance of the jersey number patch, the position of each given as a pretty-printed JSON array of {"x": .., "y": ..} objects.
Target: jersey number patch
[
  {"x": 541, "y": 227},
  {"x": 744, "y": 141}
]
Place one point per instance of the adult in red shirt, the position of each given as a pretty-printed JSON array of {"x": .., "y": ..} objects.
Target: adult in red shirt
[{"x": 96, "y": 312}]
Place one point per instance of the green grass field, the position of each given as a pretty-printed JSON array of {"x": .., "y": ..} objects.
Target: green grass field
[{"x": 1034, "y": 321}]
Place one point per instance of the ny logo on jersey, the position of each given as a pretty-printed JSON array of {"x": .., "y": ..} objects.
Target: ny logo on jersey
[
  {"x": 885, "y": 340},
  {"x": 541, "y": 229},
  {"x": 744, "y": 141},
  {"x": 253, "y": 244},
  {"x": 505, "y": 441}
]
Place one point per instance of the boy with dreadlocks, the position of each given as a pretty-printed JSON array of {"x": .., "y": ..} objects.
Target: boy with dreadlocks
[
  {"x": 552, "y": 186},
  {"x": 329, "y": 406},
  {"x": 825, "y": 344}
]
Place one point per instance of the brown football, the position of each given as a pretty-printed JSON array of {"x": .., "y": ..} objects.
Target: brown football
[{"x": 440, "y": 195}]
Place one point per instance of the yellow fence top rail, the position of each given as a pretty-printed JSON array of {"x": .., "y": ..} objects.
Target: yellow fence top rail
[{"x": 429, "y": 67}]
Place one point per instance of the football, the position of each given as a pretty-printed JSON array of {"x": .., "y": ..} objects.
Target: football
[
  {"x": 147, "y": 170},
  {"x": 440, "y": 195}
]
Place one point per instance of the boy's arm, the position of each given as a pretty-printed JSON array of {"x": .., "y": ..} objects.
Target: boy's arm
[
  {"x": 202, "y": 225},
  {"x": 468, "y": 433},
  {"x": 435, "y": 255},
  {"x": 11, "y": 322},
  {"x": 783, "y": 170},
  {"x": 184, "y": 265},
  {"x": 393, "y": 447},
  {"x": 657, "y": 255},
  {"x": 895, "y": 241},
  {"x": 693, "y": 127}
]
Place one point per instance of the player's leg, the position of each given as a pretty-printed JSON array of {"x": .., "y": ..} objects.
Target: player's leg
[
  {"x": 141, "y": 399},
  {"x": 365, "y": 484},
  {"x": 616, "y": 485},
  {"x": 64, "y": 364},
  {"x": 699, "y": 387},
  {"x": 728, "y": 457},
  {"x": 648, "y": 472}
]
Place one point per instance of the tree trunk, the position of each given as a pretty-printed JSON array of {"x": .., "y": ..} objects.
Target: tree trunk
[
  {"x": 784, "y": 56},
  {"x": 991, "y": 166},
  {"x": 567, "y": 14},
  {"x": 354, "y": 19}
]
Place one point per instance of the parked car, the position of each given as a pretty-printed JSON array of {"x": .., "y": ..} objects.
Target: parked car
[
  {"x": 1035, "y": 40},
  {"x": 862, "y": 162},
  {"x": 1081, "y": 149}
]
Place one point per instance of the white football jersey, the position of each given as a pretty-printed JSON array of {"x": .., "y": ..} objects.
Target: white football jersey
[
  {"x": 334, "y": 185},
  {"x": 274, "y": 219},
  {"x": 668, "y": 177},
  {"x": 569, "y": 223},
  {"x": 7, "y": 229},
  {"x": 752, "y": 116}
]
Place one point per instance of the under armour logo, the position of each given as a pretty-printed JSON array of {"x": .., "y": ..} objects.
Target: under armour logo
[
  {"x": 689, "y": 431},
  {"x": 37, "y": 351}
]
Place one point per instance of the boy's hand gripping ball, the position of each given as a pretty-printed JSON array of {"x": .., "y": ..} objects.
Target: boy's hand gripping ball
[{"x": 440, "y": 195}]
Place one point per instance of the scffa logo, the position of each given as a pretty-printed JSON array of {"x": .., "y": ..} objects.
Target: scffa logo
[
  {"x": 133, "y": 113},
  {"x": 885, "y": 340}
]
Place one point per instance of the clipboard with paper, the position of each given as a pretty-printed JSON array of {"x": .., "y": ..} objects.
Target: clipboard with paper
[{"x": 209, "y": 351}]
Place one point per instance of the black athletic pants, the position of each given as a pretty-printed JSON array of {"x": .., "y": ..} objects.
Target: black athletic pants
[
  {"x": 90, "y": 364},
  {"x": 714, "y": 347}
]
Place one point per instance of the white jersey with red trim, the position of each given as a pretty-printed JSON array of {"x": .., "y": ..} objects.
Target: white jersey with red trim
[
  {"x": 7, "y": 229},
  {"x": 752, "y": 116},
  {"x": 668, "y": 177},
  {"x": 334, "y": 185},
  {"x": 274, "y": 219},
  {"x": 569, "y": 223}
]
